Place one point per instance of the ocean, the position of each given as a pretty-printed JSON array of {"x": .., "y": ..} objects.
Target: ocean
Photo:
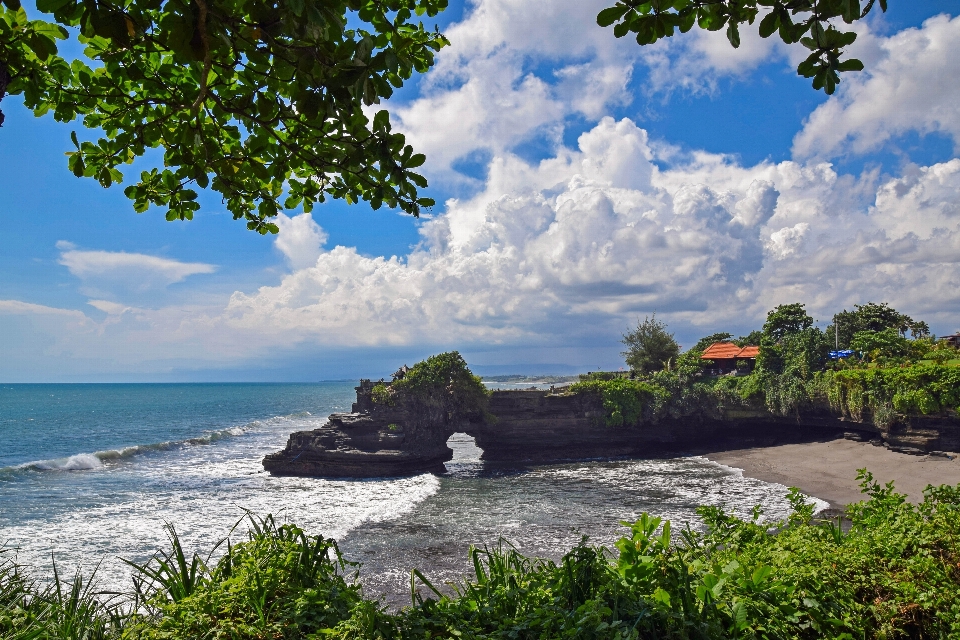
[{"x": 90, "y": 473}]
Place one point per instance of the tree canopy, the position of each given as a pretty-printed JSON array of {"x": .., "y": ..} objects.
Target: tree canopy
[
  {"x": 811, "y": 23},
  {"x": 872, "y": 317},
  {"x": 266, "y": 103},
  {"x": 649, "y": 346},
  {"x": 786, "y": 319}
]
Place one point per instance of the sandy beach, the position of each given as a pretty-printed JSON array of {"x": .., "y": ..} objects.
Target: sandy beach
[{"x": 828, "y": 470}]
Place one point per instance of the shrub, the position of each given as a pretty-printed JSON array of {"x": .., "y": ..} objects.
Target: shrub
[
  {"x": 380, "y": 394},
  {"x": 280, "y": 583},
  {"x": 445, "y": 384},
  {"x": 623, "y": 400},
  {"x": 892, "y": 573},
  {"x": 921, "y": 388}
]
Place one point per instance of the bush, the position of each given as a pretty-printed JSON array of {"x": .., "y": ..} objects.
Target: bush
[
  {"x": 919, "y": 389},
  {"x": 444, "y": 381},
  {"x": 380, "y": 394},
  {"x": 281, "y": 583},
  {"x": 623, "y": 400},
  {"x": 892, "y": 574}
]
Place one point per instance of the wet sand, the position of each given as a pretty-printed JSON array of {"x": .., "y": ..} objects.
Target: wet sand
[{"x": 828, "y": 470}]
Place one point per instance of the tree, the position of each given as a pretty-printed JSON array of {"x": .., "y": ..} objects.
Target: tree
[
  {"x": 786, "y": 319},
  {"x": 649, "y": 346},
  {"x": 812, "y": 23},
  {"x": 789, "y": 343},
  {"x": 752, "y": 339},
  {"x": 713, "y": 338},
  {"x": 872, "y": 317},
  {"x": 264, "y": 102},
  {"x": 880, "y": 345}
]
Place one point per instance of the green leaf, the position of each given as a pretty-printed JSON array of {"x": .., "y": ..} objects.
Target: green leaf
[
  {"x": 850, "y": 65},
  {"x": 733, "y": 35},
  {"x": 769, "y": 24},
  {"x": 610, "y": 15},
  {"x": 851, "y": 10},
  {"x": 13, "y": 5},
  {"x": 50, "y": 6},
  {"x": 416, "y": 160},
  {"x": 621, "y": 29},
  {"x": 760, "y": 574}
]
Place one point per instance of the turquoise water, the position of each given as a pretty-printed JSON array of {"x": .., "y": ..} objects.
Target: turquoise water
[{"x": 90, "y": 473}]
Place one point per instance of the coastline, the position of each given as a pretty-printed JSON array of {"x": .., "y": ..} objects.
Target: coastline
[{"x": 828, "y": 470}]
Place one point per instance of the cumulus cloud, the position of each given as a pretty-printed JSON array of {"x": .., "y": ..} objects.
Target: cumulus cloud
[
  {"x": 139, "y": 270},
  {"x": 913, "y": 85},
  {"x": 488, "y": 91},
  {"x": 569, "y": 252},
  {"x": 786, "y": 241},
  {"x": 586, "y": 240},
  {"x": 300, "y": 239}
]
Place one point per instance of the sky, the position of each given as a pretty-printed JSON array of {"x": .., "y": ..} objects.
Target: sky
[{"x": 583, "y": 183}]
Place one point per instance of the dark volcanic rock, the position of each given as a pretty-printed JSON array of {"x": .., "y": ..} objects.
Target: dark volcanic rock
[
  {"x": 372, "y": 441},
  {"x": 528, "y": 427}
]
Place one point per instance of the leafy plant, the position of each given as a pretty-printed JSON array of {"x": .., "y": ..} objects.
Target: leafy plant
[
  {"x": 623, "y": 400},
  {"x": 267, "y": 104},
  {"x": 809, "y": 22},
  {"x": 279, "y": 583},
  {"x": 650, "y": 346},
  {"x": 888, "y": 571},
  {"x": 380, "y": 394},
  {"x": 444, "y": 382}
]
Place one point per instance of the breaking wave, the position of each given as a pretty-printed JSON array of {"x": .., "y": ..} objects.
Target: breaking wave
[{"x": 98, "y": 459}]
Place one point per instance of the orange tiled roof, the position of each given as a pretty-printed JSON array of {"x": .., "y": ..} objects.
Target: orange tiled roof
[
  {"x": 726, "y": 350},
  {"x": 721, "y": 350}
]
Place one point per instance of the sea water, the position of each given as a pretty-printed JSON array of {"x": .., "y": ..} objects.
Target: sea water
[{"x": 89, "y": 475}]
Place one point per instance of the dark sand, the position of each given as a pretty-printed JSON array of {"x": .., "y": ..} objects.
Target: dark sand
[{"x": 828, "y": 470}]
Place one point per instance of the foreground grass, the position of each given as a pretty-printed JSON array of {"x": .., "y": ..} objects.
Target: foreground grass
[{"x": 894, "y": 572}]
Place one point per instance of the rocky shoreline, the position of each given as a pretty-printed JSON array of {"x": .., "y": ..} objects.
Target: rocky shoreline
[{"x": 543, "y": 426}]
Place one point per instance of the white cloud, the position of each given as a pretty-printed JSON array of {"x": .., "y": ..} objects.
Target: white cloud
[
  {"x": 599, "y": 235},
  {"x": 913, "y": 85},
  {"x": 787, "y": 241},
  {"x": 582, "y": 243},
  {"x": 484, "y": 94},
  {"x": 568, "y": 253},
  {"x": 141, "y": 270},
  {"x": 300, "y": 240},
  {"x": 17, "y": 307}
]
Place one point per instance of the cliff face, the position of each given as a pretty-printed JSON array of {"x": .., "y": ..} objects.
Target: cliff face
[
  {"x": 373, "y": 440},
  {"x": 540, "y": 426}
]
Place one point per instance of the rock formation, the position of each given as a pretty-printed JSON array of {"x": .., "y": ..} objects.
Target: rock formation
[{"x": 527, "y": 427}]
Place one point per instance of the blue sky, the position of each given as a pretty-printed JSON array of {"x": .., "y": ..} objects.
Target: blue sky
[{"x": 582, "y": 182}]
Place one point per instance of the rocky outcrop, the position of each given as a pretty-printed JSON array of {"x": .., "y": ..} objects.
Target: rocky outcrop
[
  {"x": 525, "y": 427},
  {"x": 373, "y": 440}
]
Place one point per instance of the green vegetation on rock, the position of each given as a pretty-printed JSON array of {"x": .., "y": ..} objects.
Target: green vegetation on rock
[
  {"x": 624, "y": 400},
  {"x": 889, "y": 376},
  {"x": 443, "y": 382}
]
